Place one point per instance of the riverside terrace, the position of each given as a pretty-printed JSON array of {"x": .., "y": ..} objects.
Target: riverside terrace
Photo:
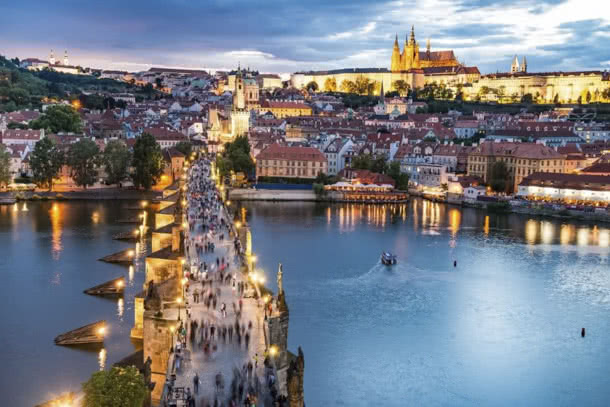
[{"x": 226, "y": 335}]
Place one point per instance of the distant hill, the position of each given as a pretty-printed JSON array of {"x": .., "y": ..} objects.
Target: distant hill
[{"x": 21, "y": 89}]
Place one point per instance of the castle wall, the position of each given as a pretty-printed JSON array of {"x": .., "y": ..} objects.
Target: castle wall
[
  {"x": 160, "y": 240},
  {"x": 414, "y": 79},
  {"x": 567, "y": 86},
  {"x": 157, "y": 343},
  {"x": 163, "y": 220}
]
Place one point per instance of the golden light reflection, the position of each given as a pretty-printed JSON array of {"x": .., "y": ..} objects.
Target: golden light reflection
[
  {"x": 328, "y": 215},
  {"x": 583, "y": 236},
  {"x": 547, "y": 232},
  {"x": 567, "y": 234},
  {"x": 95, "y": 217},
  {"x": 24, "y": 208},
  {"x": 455, "y": 218},
  {"x": 16, "y": 207},
  {"x": 604, "y": 238},
  {"x": 531, "y": 231},
  {"x": 486, "y": 226},
  {"x": 56, "y": 214},
  {"x": 131, "y": 273},
  {"x": 101, "y": 358}
]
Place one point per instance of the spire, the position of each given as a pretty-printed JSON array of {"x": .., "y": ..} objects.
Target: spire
[
  {"x": 428, "y": 45},
  {"x": 382, "y": 94},
  {"x": 412, "y": 39},
  {"x": 524, "y": 65},
  {"x": 396, "y": 41}
]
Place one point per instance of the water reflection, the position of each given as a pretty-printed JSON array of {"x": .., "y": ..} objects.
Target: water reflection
[
  {"x": 101, "y": 358},
  {"x": 120, "y": 305},
  {"x": 25, "y": 207},
  {"x": 131, "y": 272},
  {"x": 56, "y": 214}
]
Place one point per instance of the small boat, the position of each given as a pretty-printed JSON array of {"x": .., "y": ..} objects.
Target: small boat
[{"x": 388, "y": 258}]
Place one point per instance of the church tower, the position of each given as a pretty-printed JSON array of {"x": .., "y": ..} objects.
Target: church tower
[
  {"x": 239, "y": 92},
  {"x": 66, "y": 61},
  {"x": 395, "y": 65},
  {"x": 515, "y": 65},
  {"x": 52, "y": 58},
  {"x": 524, "y": 65}
]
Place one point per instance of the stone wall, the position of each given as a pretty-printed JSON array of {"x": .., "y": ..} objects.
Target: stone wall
[
  {"x": 163, "y": 220},
  {"x": 137, "y": 331},
  {"x": 271, "y": 195},
  {"x": 160, "y": 240},
  {"x": 157, "y": 344}
]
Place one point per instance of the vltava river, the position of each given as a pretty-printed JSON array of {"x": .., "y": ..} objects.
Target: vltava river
[
  {"x": 48, "y": 256},
  {"x": 502, "y": 328}
]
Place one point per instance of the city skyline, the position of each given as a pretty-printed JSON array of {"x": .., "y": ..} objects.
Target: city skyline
[{"x": 289, "y": 37}]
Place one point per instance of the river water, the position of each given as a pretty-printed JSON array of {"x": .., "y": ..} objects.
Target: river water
[
  {"x": 500, "y": 329},
  {"x": 48, "y": 256}
]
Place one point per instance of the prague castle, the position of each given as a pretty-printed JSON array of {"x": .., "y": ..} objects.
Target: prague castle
[
  {"x": 410, "y": 58},
  {"x": 411, "y": 66},
  {"x": 418, "y": 68}
]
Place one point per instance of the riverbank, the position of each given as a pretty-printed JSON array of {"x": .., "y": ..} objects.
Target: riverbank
[
  {"x": 523, "y": 207},
  {"x": 10, "y": 197},
  {"x": 286, "y": 195}
]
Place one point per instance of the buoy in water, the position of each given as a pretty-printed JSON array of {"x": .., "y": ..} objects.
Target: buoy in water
[
  {"x": 454, "y": 263},
  {"x": 582, "y": 332}
]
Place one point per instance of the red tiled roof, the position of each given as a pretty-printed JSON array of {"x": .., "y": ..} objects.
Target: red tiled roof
[{"x": 276, "y": 151}]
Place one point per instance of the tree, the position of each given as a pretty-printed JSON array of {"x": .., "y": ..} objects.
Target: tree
[
  {"x": 5, "y": 165},
  {"x": 364, "y": 86},
  {"x": 20, "y": 96},
  {"x": 312, "y": 86},
  {"x": 527, "y": 98},
  {"x": 330, "y": 85},
  {"x": 59, "y": 118},
  {"x": 236, "y": 157},
  {"x": 498, "y": 179},
  {"x": 361, "y": 162},
  {"x": 46, "y": 161},
  {"x": 158, "y": 83},
  {"x": 401, "y": 179},
  {"x": 147, "y": 162},
  {"x": 606, "y": 93},
  {"x": 83, "y": 158},
  {"x": 120, "y": 386},
  {"x": 348, "y": 86},
  {"x": 556, "y": 99},
  {"x": 185, "y": 147},
  {"x": 116, "y": 160},
  {"x": 588, "y": 97},
  {"x": 379, "y": 164},
  {"x": 401, "y": 86}
]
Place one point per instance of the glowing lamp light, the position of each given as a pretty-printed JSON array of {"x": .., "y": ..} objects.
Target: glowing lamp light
[
  {"x": 228, "y": 203},
  {"x": 237, "y": 225},
  {"x": 267, "y": 299},
  {"x": 184, "y": 225},
  {"x": 261, "y": 279},
  {"x": 273, "y": 350},
  {"x": 172, "y": 329},
  {"x": 253, "y": 258},
  {"x": 131, "y": 253},
  {"x": 101, "y": 331},
  {"x": 182, "y": 261},
  {"x": 179, "y": 300},
  {"x": 136, "y": 232},
  {"x": 119, "y": 283}
]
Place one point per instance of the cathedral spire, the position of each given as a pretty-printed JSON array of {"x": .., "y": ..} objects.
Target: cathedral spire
[
  {"x": 428, "y": 45},
  {"x": 412, "y": 39}
]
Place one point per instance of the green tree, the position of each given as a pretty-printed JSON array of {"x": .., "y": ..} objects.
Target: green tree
[
  {"x": 401, "y": 86},
  {"x": 20, "y": 96},
  {"x": 606, "y": 93},
  {"x": 312, "y": 86},
  {"x": 116, "y": 160},
  {"x": 5, "y": 165},
  {"x": 348, "y": 86},
  {"x": 185, "y": 147},
  {"x": 379, "y": 164},
  {"x": 330, "y": 85},
  {"x": 83, "y": 158},
  {"x": 46, "y": 161},
  {"x": 364, "y": 86},
  {"x": 59, "y": 118},
  {"x": 362, "y": 162},
  {"x": 527, "y": 98},
  {"x": 147, "y": 161},
  {"x": 498, "y": 178},
  {"x": 236, "y": 157},
  {"x": 119, "y": 386}
]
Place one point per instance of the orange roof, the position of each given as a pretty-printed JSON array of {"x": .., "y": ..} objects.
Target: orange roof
[{"x": 276, "y": 151}]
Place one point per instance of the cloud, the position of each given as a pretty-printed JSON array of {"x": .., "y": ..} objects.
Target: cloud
[{"x": 288, "y": 35}]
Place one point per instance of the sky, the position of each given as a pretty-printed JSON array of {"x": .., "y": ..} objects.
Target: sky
[{"x": 284, "y": 36}]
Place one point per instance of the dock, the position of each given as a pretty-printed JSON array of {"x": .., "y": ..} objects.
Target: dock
[
  {"x": 112, "y": 288},
  {"x": 92, "y": 333},
  {"x": 124, "y": 257}
]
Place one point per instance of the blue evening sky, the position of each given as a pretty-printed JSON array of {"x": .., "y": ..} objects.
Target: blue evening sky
[{"x": 289, "y": 35}]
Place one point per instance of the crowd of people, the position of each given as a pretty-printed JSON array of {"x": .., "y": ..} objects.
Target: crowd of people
[{"x": 216, "y": 319}]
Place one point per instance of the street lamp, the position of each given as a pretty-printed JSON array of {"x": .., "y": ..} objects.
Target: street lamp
[{"x": 179, "y": 301}]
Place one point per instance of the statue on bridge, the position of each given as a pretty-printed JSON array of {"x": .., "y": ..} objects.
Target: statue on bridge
[{"x": 280, "y": 290}]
